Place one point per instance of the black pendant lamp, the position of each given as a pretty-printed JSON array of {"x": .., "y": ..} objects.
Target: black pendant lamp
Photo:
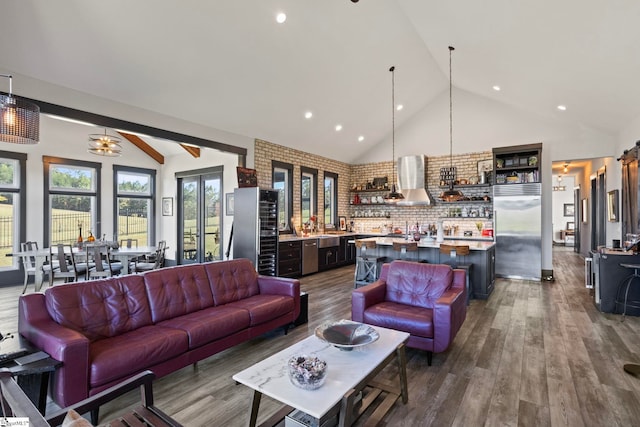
[
  {"x": 451, "y": 195},
  {"x": 19, "y": 118},
  {"x": 394, "y": 196}
]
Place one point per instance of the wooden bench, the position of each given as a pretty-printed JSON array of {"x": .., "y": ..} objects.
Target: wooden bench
[{"x": 17, "y": 404}]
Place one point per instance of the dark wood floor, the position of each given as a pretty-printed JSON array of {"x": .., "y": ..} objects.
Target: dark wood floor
[{"x": 534, "y": 354}]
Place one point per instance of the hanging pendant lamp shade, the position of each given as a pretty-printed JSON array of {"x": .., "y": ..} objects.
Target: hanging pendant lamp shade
[
  {"x": 451, "y": 195},
  {"x": 104, "y": 145},
  {"x": 394, "y": 195},
  {"x": 19, "y": 119}
]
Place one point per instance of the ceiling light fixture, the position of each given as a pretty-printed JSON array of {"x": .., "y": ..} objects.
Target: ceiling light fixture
[
  {"x": 566, "y": 167},
  {"x": 496, "y": 88},
  {"x": 20, "y": 119},
  {"x": 308, "y": 115},
  {"x": 451, "y": 195},
  {"x": 338, "y": 128},
  {"x": 399, "y": 107},
  {"x": 394, "y": 195},
  {"x": 104, "y": 145},
  {"x": 562, "y": 107},
  {"x": 360, "y": 138},
  {"x": 281, "y": 18}
]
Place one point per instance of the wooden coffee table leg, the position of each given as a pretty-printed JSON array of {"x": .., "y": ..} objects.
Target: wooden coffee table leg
[
  {"x": 402, "y": 367},
  {"x": 346, "y": 409},
  {"x": 255, "y": 406}
]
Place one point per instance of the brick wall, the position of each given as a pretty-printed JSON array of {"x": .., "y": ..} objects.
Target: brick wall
[{"x": 372, "y": 217}]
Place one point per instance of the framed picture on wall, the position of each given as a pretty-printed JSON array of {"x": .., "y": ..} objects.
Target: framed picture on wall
[
  {"x": 228, "y": 203},
  {"x": 343, "y": 223},
  {"x": 569, "y": 209},
  {"x": 585, "y": 212},
  {"x": 167, "y": 206}
]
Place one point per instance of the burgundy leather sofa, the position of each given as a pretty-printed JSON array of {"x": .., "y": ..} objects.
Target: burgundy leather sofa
[
  {"x": 426, "y": 300},
  {"x": 105, "y": 331}
]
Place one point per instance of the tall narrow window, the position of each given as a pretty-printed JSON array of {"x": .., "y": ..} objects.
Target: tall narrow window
[
  {"x": 135, "y": 201},
  {"x": 72, "y": 199},
  {"x": 12, "y": 173},
  {"x": 331, "y": 198},
  {"x": 308, "y": 191},
  {"x": 282, "y": 181}
]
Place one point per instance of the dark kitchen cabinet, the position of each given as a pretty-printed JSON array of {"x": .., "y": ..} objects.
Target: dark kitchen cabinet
[
  {"x": 328, "y": 258},
  {"x": 289, "y": 259},
  {"x": 347, "y": 251}
]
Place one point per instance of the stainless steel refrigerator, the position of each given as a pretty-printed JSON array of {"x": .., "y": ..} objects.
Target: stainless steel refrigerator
[
  {"x": 518, "y": 230},
  {"x": 255, "y": 228}
]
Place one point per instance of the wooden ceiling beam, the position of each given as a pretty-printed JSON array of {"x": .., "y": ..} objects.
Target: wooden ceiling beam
[
  {"x": 194, "y": 151},
  {"x": 146, "y": 148}
]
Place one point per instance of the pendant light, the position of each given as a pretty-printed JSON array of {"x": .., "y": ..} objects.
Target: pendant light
[
  {"x": 104, "y": 145},
  {"x": 451, "y": 195},
  {"x": 394, "y": 196},
  {"x": 19, "y": 119}
]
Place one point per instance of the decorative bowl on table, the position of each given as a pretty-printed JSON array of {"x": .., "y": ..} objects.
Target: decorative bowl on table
[
  {"x": 346, "y": 334},
  {"x": 307, "y": 372}
]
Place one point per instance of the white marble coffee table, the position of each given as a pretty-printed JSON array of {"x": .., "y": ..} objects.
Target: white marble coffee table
[{"x": 348, "y": 372}]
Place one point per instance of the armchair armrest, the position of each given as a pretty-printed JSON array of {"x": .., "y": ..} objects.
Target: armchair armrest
[
  {"x": 449, "y": 313},
  {"x": 366, "y": 296}
]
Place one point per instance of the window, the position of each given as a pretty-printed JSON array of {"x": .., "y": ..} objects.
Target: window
[
  {"x": 134, "y": 215},
  {"x": 72, "y": 199},
  {"x": 12, "y": 206},
  {"x": 331, "y": 198},
  {"x": 308, "y": 192},
  {"x": 281, "y": 178}
]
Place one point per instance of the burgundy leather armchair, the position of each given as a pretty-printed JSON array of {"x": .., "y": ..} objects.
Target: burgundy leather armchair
[{"x": 426, "y": 300}]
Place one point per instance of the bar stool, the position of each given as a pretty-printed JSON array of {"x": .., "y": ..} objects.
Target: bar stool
[
  {"x": 403, "y": 248},
  {"x": 455, "y": 251},
  {"x": 368, "y": 265},
  {"x": 626, "y": 284}
]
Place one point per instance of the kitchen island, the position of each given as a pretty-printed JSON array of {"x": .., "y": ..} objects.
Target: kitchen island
[{"x": 481, "y": 256}]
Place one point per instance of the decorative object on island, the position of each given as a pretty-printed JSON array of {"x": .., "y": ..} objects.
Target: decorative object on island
[
  {"x": 450, "y": 195},
  {"x": 394, "y": 196},
  {"x": 80, "y": 234},
  {"x": 104, "y": 145},
  {"x": 20, "y": 119}
]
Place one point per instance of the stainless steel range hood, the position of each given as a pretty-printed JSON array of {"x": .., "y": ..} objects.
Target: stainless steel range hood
[{"x": 412, "y": 177}]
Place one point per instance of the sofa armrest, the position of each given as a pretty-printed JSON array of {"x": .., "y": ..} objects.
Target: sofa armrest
[
  {"x": 449, "y": 313},
  {"x": 70, "y": 347},
  {"x": 365, "y": 297},
  {"x": 271, "y": 285},
  {"x": 279, "y": 286}
]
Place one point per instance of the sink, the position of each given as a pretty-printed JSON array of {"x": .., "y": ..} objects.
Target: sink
[{"x": 328, "y": 241}]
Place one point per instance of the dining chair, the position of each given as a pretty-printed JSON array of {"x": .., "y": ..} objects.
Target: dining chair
[
  {"x": 98, "y": 256},
  {"x": 29, "y": 263},
  {"x": 154, "y": 261},
  {"x": 65, "y": 266}
]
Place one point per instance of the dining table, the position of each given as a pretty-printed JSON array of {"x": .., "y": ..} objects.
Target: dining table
[{"x": 124, "y": 255}]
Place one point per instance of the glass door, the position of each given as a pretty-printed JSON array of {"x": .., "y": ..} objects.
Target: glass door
[{"x": 200, "y": 217}]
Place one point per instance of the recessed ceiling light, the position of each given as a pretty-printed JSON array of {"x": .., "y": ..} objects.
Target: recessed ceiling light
[
  {"x": 360, "y": 138},
  {"x": 338, "y": 128},
  {"x": 281, "y": 17},
  {"x": 308, "y": 115},
  {"x": 399, "y": 107},
  {"x": 496, "y": 88},
  {"x": 562, "y": 107}
]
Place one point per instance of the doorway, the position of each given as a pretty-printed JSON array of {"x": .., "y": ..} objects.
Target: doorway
[{"x": 199, "y": 215}]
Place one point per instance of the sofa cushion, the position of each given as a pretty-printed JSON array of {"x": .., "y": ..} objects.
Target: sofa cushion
[
  {"x": 417, "y": 321},
  {"x": 126, "y": 354},
  {"x": 106, "y": 308},
  {"x": 176, "y": 291},
  {"x": 232, "y": 280},
  {"x": 417, "y": 284},
  {"x": 263, "y": 308},
  {"x": 210, "y": 324}
]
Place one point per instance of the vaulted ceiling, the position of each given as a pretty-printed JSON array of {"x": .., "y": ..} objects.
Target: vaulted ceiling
[{"x": 229, "y": 65}]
